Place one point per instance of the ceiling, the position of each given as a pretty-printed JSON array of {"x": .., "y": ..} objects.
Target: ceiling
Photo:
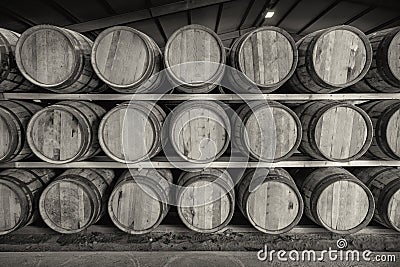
[{"x": 229, "y": 18}]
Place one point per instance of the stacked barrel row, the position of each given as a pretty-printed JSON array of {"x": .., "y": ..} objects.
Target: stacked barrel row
[
  {"x": 132, "y": 132},
  {"x": 266, "y": 58},
  {"x": 340, "y": 200}
]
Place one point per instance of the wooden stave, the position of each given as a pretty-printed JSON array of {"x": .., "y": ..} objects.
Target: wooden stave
[
  {"x": 206, "y": 86},
  {"x": 309, "y": 121},
  {"x": 223, "y": 179},
  {"x": 183, "y": 107},
  {"x": 155, "y": 63},
  {"x": 276, "y": 174},
  {"x": 162, "y": 188},
  {"x": 82, "y": 79},
  {"x": 383, "y": 182},
  {"x": 157, "y": 117},
  {"x": 380, "y": 112},
  {"x": 244, "y": 112},
  {"x": 305, "y": 74},
  {"x": 96, "y": 183},
  {"x": 379, "y": 78},
  {"x": 234, "y": 54},
  {"x": 11, "y": 79},
  {"x": 28, "y": 185},
  {"x": 88, "y": 114},
  {"x": 310, "y": 191},
  {"x": 17, "y": 114}
]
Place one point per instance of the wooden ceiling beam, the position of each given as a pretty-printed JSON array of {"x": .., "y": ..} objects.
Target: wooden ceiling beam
[
  {"x": 143, "y": 14},
  {"x": 16, "y": 16},
  {"x": 383, "y": 25}
]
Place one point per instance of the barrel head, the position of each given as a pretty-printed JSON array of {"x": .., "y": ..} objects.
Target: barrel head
[
  {"x": 66, "y": 206},
  {"x": 46, "y": 56},
  {"x": 10, "y": 208},
  {"x": 273, "y": 206},
  {"x": 343, "y": 205},
  {"x": 339, "y": 57}
]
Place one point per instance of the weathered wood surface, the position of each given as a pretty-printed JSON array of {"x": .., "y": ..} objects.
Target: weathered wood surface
[
  {"x": 11, "y": 78},
  {"x": 57, "y": 59},
  {"x": 199, "y": 131},
  {"x": 266, "y": 56},
  {"x": 330, "y": 60},
  {"x": 75, "y": 199},
  {"x": 384, "y": 183},
  {"x": 131, "y": 132},
  {"x": 206, "y": 201},
  {"x": 139, "y": 200},
  {"x": 194, "y": 57},
  {"x": 14, "y": 118},
  {"x": 267, "y": 131},
  {"x": 334, "y": 131},
  {"x": 275, "y": 206},
  {"x": 65, "y": 132},
  {"x": 385, "y": 116},
  {"x": 125, "y": 59},
  {"x": 335, "y": 199},
  {"x": 384, "y": 74},
  {"x": 19, "y": 195}
]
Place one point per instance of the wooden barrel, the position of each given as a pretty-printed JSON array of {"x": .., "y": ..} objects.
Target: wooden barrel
[
  {"x": 384, "y": 74},
  {"x": 20, "y": 190},
  {"x": 65, "y": 132},
  {"x": 14, "y": 118},
  {"x": 57, "y": 59},
  {"x": 198, "y": 45},
  {"x": 139, "y": 200},
  {"x": 125, "y": 58},
  {"x": 266, "y": 56},
  {"x": 76, "y": 199},
  {"x": 335, "y": 199},
  {"x": 275, "y": 206},
  {"x": 384, "y": 183},
  {"x": 267, "y": 131},
  {"x": 385, "y": 116},
  {"x": 330, "y": 60},
  {"x": 131, "y": 131},
  {"x": 199, "y": 131},
  {"x": 334, "y": 131},
  {"x": 11, "y": 78},
  {"x": 206, "y": 200}
]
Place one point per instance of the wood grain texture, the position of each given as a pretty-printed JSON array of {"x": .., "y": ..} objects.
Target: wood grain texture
[
  {"x": 11, "y": 78},
  {"x": 275, "y": 206},
  {"x": 331, "y": 59},
  {"x": 384, "y": 74},
  {"x": 65, "y": 131},
  {"x": 385, "y": 116},
  {"x": 139, "y": 201},
  {"x": 334, "y": 131},
  {"x": 131, "y": 132},
  {"x": 57, "y": 59},
  {"x": 267, "y": 56},
  {"x": 267, "y": 131},
  {"x": 195, "y": 45},
  {"x": 75, "y": 199},
  {"x": 199, "y": 131},
  {"x": 126, "y": 58},
  {"x": 206, "y": 200},
  {"x": 336, "y": 199},
  {"x": 19, "y": 194},
  {"x": 384, "y": 183},
  {"x": 14, "y": 118}
]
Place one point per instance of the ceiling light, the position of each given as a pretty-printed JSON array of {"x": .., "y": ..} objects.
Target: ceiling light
[{"x": 269, "y": 14}]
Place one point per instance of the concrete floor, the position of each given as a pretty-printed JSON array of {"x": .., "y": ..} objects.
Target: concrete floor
[{"x": 149, "y": 259}]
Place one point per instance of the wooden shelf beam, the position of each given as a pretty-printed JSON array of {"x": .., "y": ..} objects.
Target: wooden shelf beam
[
  {"x": 182, "y": 97},
  {"x": 164, "y": 164}
]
